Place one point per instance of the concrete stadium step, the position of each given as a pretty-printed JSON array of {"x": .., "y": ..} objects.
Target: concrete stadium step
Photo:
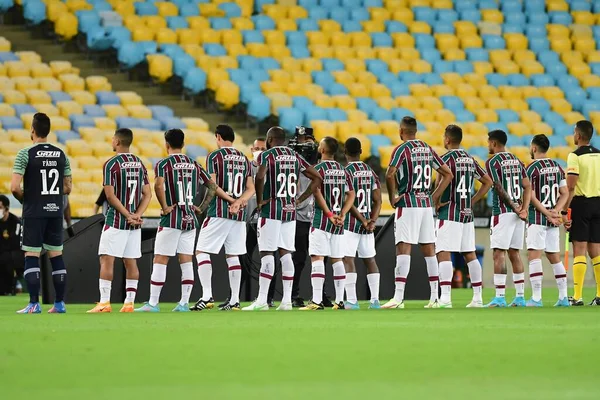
[{"x": 23, "y": 40}]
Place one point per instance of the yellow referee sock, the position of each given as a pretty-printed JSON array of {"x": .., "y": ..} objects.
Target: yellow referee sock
[
  {"x": 596, "y": 264},
  {"x": 579, "y": 267}
]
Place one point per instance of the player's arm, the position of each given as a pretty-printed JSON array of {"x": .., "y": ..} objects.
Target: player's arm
[
  {"x": 146, "y": 197},
  {"x": 535, "y": 202},
  {"x": 563, "y": 196},
  {"x": 67, "y": 213},
  {"x": 249, "y": 192},
  {"x": 315, "y": 182},
  {"x": 322, "y": 204},
  {"x": 159, "y": 190},
  {"x": 390, "y": 183},
  {"x": 18, "y": 171},
  {"x": 356, "y": 214},
  {"x": 348, "y": 204},
  {"x": 504, "y": 197},
  {"x": 572, "y": 177},
  {"x": 526, "y": 200},
  {"x": 15, "y": 186},
  {"x": 486, "y": 184},
  {"x": 445, "y": 176},
  {"x": 68, "y": 178},
  {"x": 259, "y": 185},
  {"x": 113, "y": 200}
]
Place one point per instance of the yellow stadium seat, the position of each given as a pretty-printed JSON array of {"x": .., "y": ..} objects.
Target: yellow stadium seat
[
  {"x": 385, "y": 153},
  {"x": 154, "y": 22},
  {"x": 225, "y": 62},
  {"x": 529, "y": 68},
  {"x": 391, "y": 129},
  {"x": 199, "y": 24},
  {"x": 560, "y": 44},
  {"x": 396, "y": 66},
  {"x": 286, "y": 25},
  {"x": 404, "y": 15},
  {"x": 421, "y": 67},
  {"x": 360, "y": 39},
  {"x": 41, "y": 70},
  {"x": 451, "y": 78},
  {"x": 114, "y": 111},
  {"x": 454, "y": 55},
  {"x": 29, "y": 57},
  {"x": 471, "y": 41},
  {"x": 274, "y": 37},
  {"x": 48, "y": 109},
  {"x": 585, "y": 45},
  {"x": 509, "y": 92},
  {"x": 474, "y": 80},
  {"x": 420, "y": 89},
  {"x": 507, "y": 67},
  {"x": 235, "y": 50},
  {"x": 356, "y": 115},
  {"x": 68, "y": 108},
  {"x": 328, "y": 26},
  {"x": 191, "y": 37},
  {"x": 368, "y": 127},
  {"x": 20, "y": 135},
  {"x": 521, "y": 56},
  {"x": 424, "y": 115},
  {"x": 530, "y": 91},
  {"x": 386, "y": 102},
  {"x": 408, "y": 102},
  {"x": 365, "y": 77},
  {"x": 275, "y": 11},
  {"x": 344, "y": 102},
  {"x": 530, "y": 117},
  {"x": 72, "y": 82},
  {"x": 82, "y": 97},
  {"x": 475, "y": 129},
  {"x": 486, "y": 115},
  {"x": 322, "y": 129},
  {"x": 499, "y": 55},
  {"x": 495, "y": 16},
  {"x": 139, "y": 111},
  {"x": 23, "y": 83},
  {"x": 166, "y": 9},
  {"x": 518, "y": 105},
  {"x": 105, "y": 123},
  {"x": 258, "y": 49},
  {"x": 551, "y": 92},
  {"x": 445, "y": 4},
  {"x": 279, "y": 52},
  {"x": 340, "y": 39},
  {"x": 590, "y": 80},
  {"x": 431, "y": 103},
  {"x": 403, "y": 40},
  {"x": 357, "y": 89},
  {"x": 95, "y": 83},
  {"x": 473, "y": 103},
  {"x": 516, "y": 41},
  {"x": 6, "y": 110},
  {"x": 572, "y": 117},
  {"x": 419, "y": 27},
  {"x": 373, "y": 26},
  {"x": 380, "y": 14},
  {"x": 434, "y": 128},
  {"x": 442, "y": 90},
  {"x": 579, "y": 69},
  {"x": 318, "y": 38},
  {"x": 482, "y": 67},
  {"x": 542, "y": 128},
  {"x": 14, "y": 97},
  {"x": 583, "y": 17},
  {"x": 280, "y": 77},
  {"x": 518, "y": 128},
  {"x": 365, "y": 53},
  {"x": 571, "y": 57},
  {"x": 215, "y": 77},
  {"x": 77, "y": 5},
  {"x": 36, "y": 96},
  {"x": 295, "y": 12},
  {"x": 102, "y": 149},
  {"x": 344, "y": 130},
  {"x": 311, "y": 64},
  {"x": 133, "y": 21},
  {"x": 343, "y": 77},
  {"x": 16, "y": 68},
  {"x": 301, "y": 77},
  {"x": 160, "y": 67},
  {"x": 142, "y": 33},
  {"x": 465, "y": 28},
  {"x": 445, "y": 41},
  {"x": 560, "y": 105},
  {"x": 593, "y": 56},
  {"x": 291, "y": 64},
  {"x": 166, "y": 36},
  {"x": 5, "y": 45},
  {"x": 60, "y": 67},
  {"x": 129, "y": 97},
  {"x": 378, "y": 90},
  {"x": 354, "y": 65},
  {"x": 445, "y": 117},
  {"x": 49, "y": 84}
]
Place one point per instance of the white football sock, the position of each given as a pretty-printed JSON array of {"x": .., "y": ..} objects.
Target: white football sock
[
  {"x": 536, "y": 275},
  {"x": 446, "y": 273},
  {"x": 434, "y": 278},
  {"x": 157, "y": 281},
  {"x": 205, "y": 275},
  {"x": 400, "y": 273},
  {"x": 187, "y": 282},
  {"x": 373, "y": 280},
  {"x": 130, "y": 290},
  {"x": 287, "y": 277},
  {"x": 105, "y": 288},
  {"x": 519, "y": 281},
  {"x": 560, "y": 274},
  {"x": 475, "y": 274},
  {"x": 351, "y": 287},
  {"x": 267, "y": 269},
  {"x": 500, "y": 283},
  {"x": 235, "y": 278},
  {"x": 339, "y": 280},
  {"x": 317, "y": 278}
]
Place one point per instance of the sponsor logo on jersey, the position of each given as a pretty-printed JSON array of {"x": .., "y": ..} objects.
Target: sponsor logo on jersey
[
  {"x": 362, "y": 174},
  {"x": 131, "y": 164},
  {"x": 285, "y": 157},
  {"x": 184, "y": 166},
  {"x": 236, "y": 157},
  {"x": 508, "y": 163},
  {"x": 47, "y": 154},
  {"x": 51, "y": 207},
  {"x": 335, "y": 172},
  {"x": 420, "y": 150},
  {"x": 549, "y": 170},
  {"x": 464, "y": 160}
]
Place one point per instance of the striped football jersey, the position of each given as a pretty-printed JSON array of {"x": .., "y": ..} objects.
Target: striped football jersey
[
  {"x": 232, "y": 169},
  {"x": 509, "y": 171},
  {"x": 459, "y": 193},
  {"x": 546, "y": 178},
  {"x": 336, "y": 182},
  {"x": 127, "y": 175},
  {"x": 281, "y": 182},
  {"x": 415, "y": 161},
  {"x": 364, "y": 181},
  {"x": 183, "y": 177}
]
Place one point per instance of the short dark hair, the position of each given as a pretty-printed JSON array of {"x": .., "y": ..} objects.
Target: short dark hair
[
  {"x": 41, "y": 125},
  {"x": 499, "y": 136},
  {"x": 454, "y": 133},
  {"x": 276, "y": 133},
  {"x": 4, "y": 200},
  {"x": 331, "y": 145},
  {"x": 542, "y": 142},
  {"x": 261, "y": 139},
  {"x": 125, "y": 135},
  {"x": 226, "y": 133},
  {"x": 175, "y": 138},
  {"x": 409, "y": 124},
  {"x": 586, "y": 129},
  {"x": 353, "y": 147}
]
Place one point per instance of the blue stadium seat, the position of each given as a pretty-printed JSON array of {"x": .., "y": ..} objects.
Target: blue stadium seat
[
  {"x": 539, "y": 44},
  {"x": 248, "y": 90},
  {"x": 366, "y": 104},
  {"x": 424, "y": 41},
  {"x": 150, "y": 124},
  {"x": 314, "y": 114},
  {"x": 87, "y": 19},
  {"x": 259, "y": 75},
  {"x": 323, "y": 78},
  {"x": 535, "y": 31},
  {"x": 447, "y": 15},
  {"x": 351, "y": 4},
  {"x": 302, "y": 3},
  {"x": 127, "y": 122},
  {"x": 452, "y": 103},
  {"x": 118, "y": 35},
  {"x": 238, "y": 76},
  {"x": 463, "y": 67},
  {"x": 594, "y": 93},
  {"x": 540, "y": 80},
  {"x": 517, "y": 18},
  {"x": 57, "y": 96},
  {"x": 425, "y": 14},
  {"x": 263, "y": 22},
  {"x": 464, "y": 116},
  {"x": 161, "y": 112},
  {"x": 399, "y": 89},
  {"x": 360, "y": 14},
  {"x": 508, "y": 6},
  {"x": 130, "y": 54},
  {"x": 376, "y": 66},
  {"x": 182, "y": 64},
  {"x": 409, "y": 77},
  {"x": 248, "y": 63},
  {"x": 259, "y": 107},
  {"x": 177, "y": 22},
  {"x": 576, "y": 96},
  {"x": 220, "y": 23},
  {"x": 336, "y": 114},
  {"x": 538, "y": 18},
  {"x": 399, "y": 112},
  {"x": 107, "y": 97},
  {"x": 372, "y": 3},
  {"x": 269, "y": 63},
  {"x": 534, "y": 6},
  {"x": 381, "y": 114},
  {"x": 8, "y": 56},
  {"x": 442, "y": 66},
  {"x": 294, "y": 38},
  {"x": 329, "y": 3},
  {"x": 335, "y": 89},
  {"x": 443, "y": 27},
  {"x": 477, "y": 54},
  {"x": 318, "y": 13},
  {"x": 332, "y": 64},
  {"x": 349, "y": 26},
  {"x": 507, "y": 116},
  {"x": 81, "y": 121},
  {"x": 496, "y": 80},
  {"x": 461, "y": 5},
  {"x": 34, "y": 11},
  {"x": 189, "y": 10},
  {"x": 538, "y": 104},
  {"x": 552, "y": 118},
  {"x": 63, "y": 136},
  {"x": 512, "y": 27},
  {"x": 595, "y": 68},
  {"x": 232, "y": 10},
  {"x": 470, "y": 15},
  {"x": 258, "y": 4},
  {"x": 560, "y": 17},
  {"x": 589, "y": 106},
  {"x": 300, "y": 52},
  {"x": 378, "y": 141},
  {"x": 21, "y": 109},
  {"x": 307, "y": 25},
  {"x": 194, "y": 81},
  {"x": 94, "y": 110},
  {"x": 518, "y": 80},
  {"x": 253, "y": 37},
  {"x": 290, "y": 117},
  {"x": 302, "y": 103},
  {"x": 432, "y": 78},
  {"x": 394, "y": 27},
  {"x": 568, "y": 82},
  {"x": 493, "y": 42},
  {"x": 381, "y": 39},
  {"x": 430, "y": 55},
  {"x": 194, "y": 151},
  {"x": 214, "y": 49},
  {"x": 557, "y": 140},
  {"x": 339, "y": 14},
  {"x": 145, "y": 8}
]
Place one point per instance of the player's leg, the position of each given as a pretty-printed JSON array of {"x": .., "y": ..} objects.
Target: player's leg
[
  {"x": 406, "y": 233},
  {"x": 351, "y": 241},
  {"x": 366, "y": 251},
  {"x": 185, "y": 251},
  {"x": 560, "y": 273},
  {"x": 31, "y": 244},
  {"x": 536, "y": 242},
  {"x": 318, "y": 248},
  {"x": 516, "y": 245},
  {"x": 449, "y": 236},
  {"x": 500, "y": 236},
  {"x": 287, "y": 245},
  {"x": 268, "y": 231},
  {"x": 475, "y": 272},
  {"x": 235, "y": 246},
  {"x": 165, "y": 247},
  {"x": 133, "y": 251},
  {"x": 299, "y": 258},
  {"x": 210, "y": 241},
  {"x": 53, "y": 244},
  {"x": 427, "y": 241},
  {"x": 336, "y": 248}
]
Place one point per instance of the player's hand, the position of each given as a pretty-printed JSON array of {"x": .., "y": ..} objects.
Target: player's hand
[
  {"x": 522, "y": 214},
  {"x": 440, "y": 205},
  {"x": 556, "y": 221},
  {"x": 235, "y": 207},
  {"x": 371, "y": 226},
  {"x": 395, "y": 201},
  {"x": 198, "y": 210},
  {"x": 167, "y": 210},
  {"x": 262, "y": 203},
  {"x": 554, "y": 214},
  {"x": 567, "y": 223}
]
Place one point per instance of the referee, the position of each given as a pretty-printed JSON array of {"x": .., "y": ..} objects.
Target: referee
[{"x": 583, "y": 181}]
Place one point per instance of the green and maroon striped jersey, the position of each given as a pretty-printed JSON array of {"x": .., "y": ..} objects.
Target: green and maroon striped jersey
[
  {"x": 281, "y": 182},
  {"x": 364, "y": 181},
  {"x": 546, "y": 177},
  {"x": 336, "y": 182},
  {"x": 127, "y": 175},
  {"x": 232, "y": 169},
  {"x": 182, "y": 176},
  {"x": 415, "y": 161},
  {"x": 460, "y": 191},
  {"x": 509, "y": 171}
]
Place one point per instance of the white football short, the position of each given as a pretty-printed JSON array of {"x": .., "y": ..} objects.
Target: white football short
[
  {"x": 455, "y": 236},
  {"x": 364, "y": 244},
  {"x": 120, "y": 243},
  {"x": 218, "y": 232},
  {"x": 414, "y": 225},
  {"x": 325, "y": 244},
  {"x": 545, "y": 238},
  {"x": 170, "y": 241},
  {"x": 507, "y": 232},
  {"x": 274, "y": 234}
]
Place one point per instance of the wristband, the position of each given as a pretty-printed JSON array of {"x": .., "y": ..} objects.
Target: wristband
[
  {"x": 564, "y": 213},
  {"x": 329, "y": 214}
]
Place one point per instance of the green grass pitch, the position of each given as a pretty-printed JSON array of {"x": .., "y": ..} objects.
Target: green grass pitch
[{"x": 414, "y": 353}]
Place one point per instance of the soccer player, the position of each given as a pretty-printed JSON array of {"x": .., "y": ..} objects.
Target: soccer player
[
  {"x": 456, "y": 229},
  {"x": 360, "y": 224},
  {"x": 276, "y": 188},
  {"x": 549, "y": 196},
  {"x": 510, "y": 203},
  {"x": 583, "y": 182},
  {"x": 408, "y": 180},
  {"x": 128, "y": 194},
  {"x": 333, "y": 201},
  {"x": 225, "y": 225},
  {"x": 45, "y": 172}
]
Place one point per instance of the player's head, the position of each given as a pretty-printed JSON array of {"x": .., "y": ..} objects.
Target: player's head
[
  {"x": 225, "y": 135},
  {"x": 496, "y": 141},
  {"x": 352, "y": 149},
  {"x": 122, "y": 139},
  {"x": 174, "y": 139},
  {"x": 328, "y": 147},
  {"x": 4, "y": 206},
  {"x": 584, "y": 130},
  {"x": 539, "y": 146},
  {"x": 452, "y": 136},
  {"x": 258, "y": 146},
  {"x": 275, "y": 137},
  {"x": 40, "y": 126},
  {"x": 408, "y": 128}
]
